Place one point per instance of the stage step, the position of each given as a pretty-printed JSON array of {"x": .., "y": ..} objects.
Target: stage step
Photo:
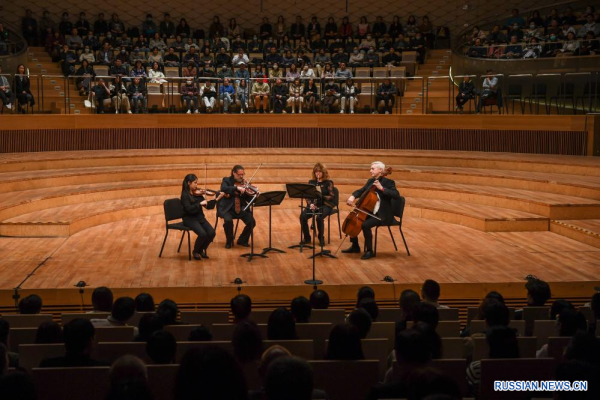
[{"x": 584, "y": 231}]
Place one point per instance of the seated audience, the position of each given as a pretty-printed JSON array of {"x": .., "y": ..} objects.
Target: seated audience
[
  {"x": 331, "y": 95},
  {"x": 138, "y": 95},
  {"x": 79, "y": 339},
  {"x": 31, "y": 304},
  {"x": 171, "y": 59},
  {"x": 161, "y": 347},
  {"x": 121, "y": 313},
  {"x": 243, "y": 94},
  {"x": 208, "y": 95},
  {"x": 6, "y": 95},
  {"x": 279, "y": 97},
  {"x": 370, "y": 306},
  {"x": 408, "y": 300},
  {"x": 260, "y": 92},
  {"x": 241, "y": 307},
  {"x": 466, "y": 92},
  {"x": 200, "y": 334},
  {"x": 289, "y": 378},
  {"x": 296, "y": 98},
  {"x": 49, "y": 332},
  {"x": 490, "y": 89},
  {"x": 319, "y": 300},
  {"x": 101, "y": 93},
  {"x": 149, "y": 323},
  {"x": 349, "y": 94},
  {"x": 86, "y": 74},
  {"x": 13, "y": 358},
  {"x": 361, "y": 320},
  {"x": 226, "y": 94},
  {"x": 569, "y": 322},
  {"x": 301, "y": 309},
  {"x": 392, "y": 58},
  {"x": 311, "y": 97},
  {"x": 128, "y": 379},
  {"x": 386, "y": 93},
  {"x": 144, "y": 302},
  {"x": 167, "y": 309},
  {"x": 281, "y": 325}
]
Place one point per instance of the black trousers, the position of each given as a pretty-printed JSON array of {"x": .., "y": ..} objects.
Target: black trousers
[
  {"x": 204, "y": 230},
  {"x": 388, "y": 102},
  {"x": 461, "y": 101},
  {"x": 307, "y": 214},
  {"x": 369, "y": 224},
  {"x": 7, "y": 98},
  {"x": 246, "y": 217}
]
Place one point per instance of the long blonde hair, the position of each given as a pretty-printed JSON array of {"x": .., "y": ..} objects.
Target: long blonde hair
[{"x": 320, "y": 167}]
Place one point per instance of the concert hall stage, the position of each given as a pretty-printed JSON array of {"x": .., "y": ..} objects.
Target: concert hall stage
[{"x": 474, "y": 220}]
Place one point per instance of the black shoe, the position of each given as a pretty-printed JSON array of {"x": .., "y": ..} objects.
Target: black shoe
[
  {"x": 322, "y": 242},
  {"x": 307, "y": 240},
  {"x": 197, "y": 256},
  {"x": 352, "y": 249},
  {"x": 367, "y": 255},
  {"x": 203, "y": 254},
  {"x": 243, "y": 244},
  {"x": 229, "y": 244}
]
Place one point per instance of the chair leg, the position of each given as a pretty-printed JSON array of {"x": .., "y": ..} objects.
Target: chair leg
[
  {"x": 404, "y": 240},
  {"x": 181, "y": 241},
  {"x": 375, "y": 243},
  {"x": 163, "y": 245},
  {"x": 328, "y": 229},
  {"x": 392, "y": 236},
  {"x": 216, "y": 222},
  {"x": 339, "y": 225},
  {"x": 189, "y": 246}
]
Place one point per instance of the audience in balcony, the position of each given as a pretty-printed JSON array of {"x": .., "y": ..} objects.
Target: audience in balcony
[
  {"x": 138, "y": 95},
  {"x": 23, "y": 91},
  {"x": 226, "y": 94},
  {"x": 466, "y": 92},
  {"x": 6, "y": 94},
  {"x": 386, "y": 93},
  {"x": 349, "y": 96}
]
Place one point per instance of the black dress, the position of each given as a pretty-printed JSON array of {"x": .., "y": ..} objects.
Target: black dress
[
  {"x": 326, "y": 204},
  {"x": 194, "y": 218},
  {"x": 22, "y": 84}
]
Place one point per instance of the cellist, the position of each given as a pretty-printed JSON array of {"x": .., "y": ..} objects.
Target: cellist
[{"x": 386, "y": 191}]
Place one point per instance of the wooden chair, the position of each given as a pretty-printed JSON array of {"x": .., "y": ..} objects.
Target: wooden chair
[
  {"x": 556, "y": 347},
  {"x": 376, "y": 349},
  {"x": 89, "y": 383},
  {"x": 66, "y": 318},
  {"x": 453, "y": 348},
  {"x": 161, "y": 380},
  {"x": 20, "y": 336},
  {"x": 260, "y": 316},
  {"x": 524, "y": 369},
  {"x": 478, "y": 326},
  {"x": 384, "y": 330},
  {"x": 298, "y": 348},
  {"x": 527, "y": 347},
  {"x": 345, "y": 380},
  {"x": 101, "y": 70},
  {"x": 362, "y": 72},
  {"x": 448, "y": 314},
  {"x": 26, "y": 320},
  {"x": 332, "y": 315},
  {"x": 115, "y": 334},
  {"x": 135, "y": 319},
  {"x": 181, "y": 332},
  {"x": 172, "y": 72},
  {"x": 222, "y": 332},
  {"x": 183, "y": 347},
  {"x": 31, "y": 355},
  {"x": 112, "y": 351},
  {"x": 206, "y": 318},
  {"x": 389, "y": 315},
  {"x": 445, "y": 328},
  {"x": 318, "y": 333},
  {"x": 542, "y": 330},
  {"x": 531, "y": 314},
  {"x": 586, "y": 311},
  {"x": 473, "y": 311}
]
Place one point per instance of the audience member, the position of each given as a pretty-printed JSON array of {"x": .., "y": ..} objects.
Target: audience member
[
  {"x": 559, "y": 305},
  {"x": 281, "y": 325},
  {"x": 13, "y": 358},
  {"x": 584, "y": 347},
  {"x": 6, "y": 95},
  {"x": 247, "y": 346},
  {"x": 289, "y": 378},
  {"x": 361, "y": 320},
  {"x": 200, "y": 334},
  {"x": 3, "y": 360},
  {"x": 434, "y": 341},
  {"x": 386, "y": 93},
  {"x": 161, "y": 347},
  {"x": 344, "y": 343},
  {"x": 426, "y": 313},
  {"x": 18, "y": 386},
  {"x": 49, "y": 332},
  {"x": 466, "y": 92},
  {"x": 167, "y": 309},
  {"x": 122, "y": 311},
  {"x": 138, "y": 95},
  {"x": 279, "y": 96},
  {"x": 208, "y": 94},
  {"x": 349, "y": 93},
  {"x": 569, "y": 322},
  {"x": 430, "y": 292},
  {"x": 370, "y": 306},
  {"x": 149, "y": 323},
  {"x": 31, "y": 304},
  {"x": 296, "y": 98},
  {"x": 79, "y": 338},
  {"x": 144, "y": 302},
  {"x": 301, "y": 309},
  {"x": 128, "y": 379},
  {"x": 319, "y": 300},
  {"x": 260, "y": 93},
  {"x": 331, "y": 95},
  {"x": 408, "y": 300}
]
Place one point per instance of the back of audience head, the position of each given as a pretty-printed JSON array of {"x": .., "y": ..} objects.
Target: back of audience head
[
  {"x": 584, "y": 347},
  {"x": 344, "y": 343},
  {"x": 434, "y": 341},
  {"x": 210, "y": 373},
  {"x": 200, "y": 334},
  {"x": 161, "y": 347},
  {"x": 241, "y": 307},
  {"x": 289, "y": 378},
  {"x": 595, "y": 304},
  {"x": 3, "y": 360},
  {"x": 558, "y": 306},
  {"x": 408, "y": 300},
  {"x": 102, "y": 299},
  {"x": 48, "y": 332},
  {"x": 412, "y": 347},
  {"x": 18, "y": 386},
  {"x": 128, "y": 380},
  {"x": 31, "y": 304},
  {"x": 426, "y": 313},
  {"x": 430, "y": 291},
  {"x": 574, "y": 370},
  {"x": 431, "y": 383},
  {"x": 168, "y": 310},
  {"x": 301, "y": 309},
  {"x": 495, "y": 313},
  {"x": 270, "y": 355},
  {"x": 491, "y": 295},
  {"x": 363, "y": 293},
  {"x": 570, "y": 321},
  {"x": 538, "y": 292},
  {"x": 319, "y": 300},
  {"x": 247, "y": 342},
  {"x": 144, "y": 302},
  {"x": 361, "y": 320},
  {"x": 281, "y": 325},
  {"x": 79, "y": 335},
  {"x": 123, "y": 309},
  {"x": 502, "y": 342},
  {"x": 4, "y": 331},
  {"x": 149, "y": 323},
  {"x": 369, "y": 305}
]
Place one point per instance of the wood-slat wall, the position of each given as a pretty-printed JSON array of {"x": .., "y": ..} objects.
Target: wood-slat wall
[{"x": 457, "y": 139}]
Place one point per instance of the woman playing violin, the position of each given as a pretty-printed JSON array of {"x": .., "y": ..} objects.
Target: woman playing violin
[
  {"x": 320, "y": 178},
  {"x": 232, "y": 206},
  {"x": 194, "y": 215},
  {"x": 386, "y": 191}
]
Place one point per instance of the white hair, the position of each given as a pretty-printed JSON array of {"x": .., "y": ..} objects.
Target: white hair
[{"x": 378, "y": 164}]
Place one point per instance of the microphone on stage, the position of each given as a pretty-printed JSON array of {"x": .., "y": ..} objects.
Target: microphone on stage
[
  {"x": 238, "y": 281},
  {"x": 391, "y": 280},
  {"x": 81, "y": 285}
]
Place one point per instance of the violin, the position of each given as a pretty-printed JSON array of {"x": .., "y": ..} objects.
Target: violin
[
  {"x": 205, "y": 192},
  {"x": 363, "y": 208},
  {"x": 250, "y": 190}
]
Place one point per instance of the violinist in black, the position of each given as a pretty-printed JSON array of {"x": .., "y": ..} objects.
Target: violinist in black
[
  {"x": 386, "y": 191},
  {"x": 194, "y": 216},
  {"x": 325, "y": 203},
  {"x": 232, "y": 205}
]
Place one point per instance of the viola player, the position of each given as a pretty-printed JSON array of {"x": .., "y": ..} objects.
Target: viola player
[
  {"x": 232, "y": 207},
  {"x": 320, "y": 177},
  {"x": 194, "y": 216},
  {"x": 386, "y": 191}
]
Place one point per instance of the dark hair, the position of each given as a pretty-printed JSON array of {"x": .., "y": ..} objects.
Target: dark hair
[
  {"x": 539, "y": 291},
  {"x": 491, "y": 295},
  {"x": 585, "y": 347},
  {"x": 558, "y": 306},
  {"x": 3, "y": 359},
  {"x": 4, "y": 330},
  {"x": 431, "y": 290},
  {"x": 18, "y": 386},
  {"x": 102, "y": 299},
  {"x": 319, "y": 300},
  {"x": 289, "y": 378},
  {"x": 78, "y": 333},
  {"x": 123, "y": 309},
  {"x": 168, "y": 310},
  {"x": 595, "y": 303},
  {"x": 161, "y": 347},
  {"x": 149, "y": 323},
  {"x": 144, "y": 302},
  {"x": 361, "y": 320},
  {"x": 427, "y": 313},
  {"x": 236, "y": 168},
  {"x": 48, "y": 332},
  {"x": 369, "y": 305},
  {"x": 210, "y": 373},
  {"x": 408, "y": 300},
  {"x": 281, "y": 325},
  {"x": 412, "y": 347},
  {"x": 502, "y": 342},
  {"x": 247, "y": 342},
  {"x": 571, "y": 321},
  {"x": 495, "y": 313},
  {"x": 344, "y": 343},
  {"x": 129, "y": 389},
  {"x": 189, "y": 177},
  {"x": 434, "y": 341},
  {"x": 200, "y": 334},
  {"x": 301, "y": 309},
  {"x": 241, "y": 306},
  {"x": 495, "y": 295},
  {"x": 31, "y": 304},
  {"x": 578, "y": 371}
]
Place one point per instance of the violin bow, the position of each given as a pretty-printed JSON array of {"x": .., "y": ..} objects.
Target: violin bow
[
  {"x": 248, "y": 184},
  {"x": 252, "y": 177}
]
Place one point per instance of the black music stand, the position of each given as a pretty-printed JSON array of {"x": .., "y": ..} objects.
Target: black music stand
[
  {"x": 270, "y": 199},
  {"x": 322, "y": 253},
  {"x": 252, "y": 253},
  {"x": 302, "y": 191}
]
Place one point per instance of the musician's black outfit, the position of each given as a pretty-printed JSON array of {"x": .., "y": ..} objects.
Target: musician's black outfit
[
  {"x": 194, "y": 218},
  {"x": 385, "y": 212},
  {"x": 325, "y": 203},
  {"x": 231, "y": 208}
]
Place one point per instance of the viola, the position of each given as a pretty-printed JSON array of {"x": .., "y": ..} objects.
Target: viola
[
  {"x": 363, "y": 208},
  {"x": 250, "y": 190}
]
